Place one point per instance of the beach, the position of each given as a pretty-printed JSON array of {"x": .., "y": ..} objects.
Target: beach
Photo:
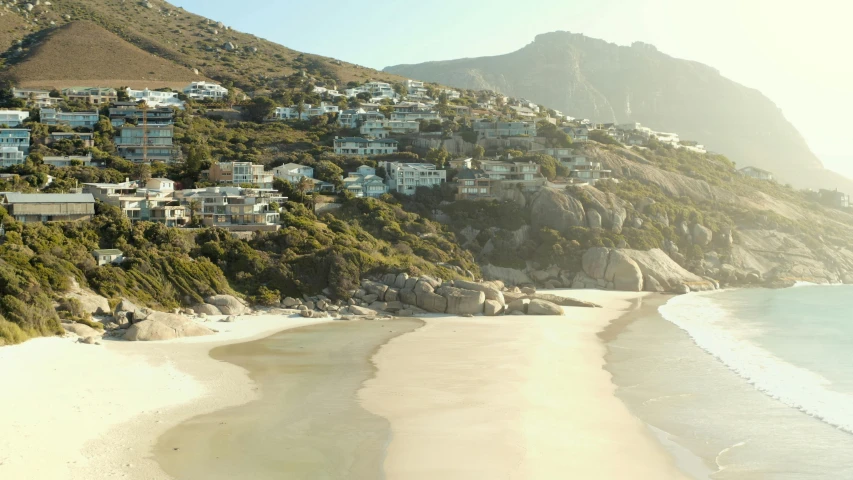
[{"x": 482, "y": 397}]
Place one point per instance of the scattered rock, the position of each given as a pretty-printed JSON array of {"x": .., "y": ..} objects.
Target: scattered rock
[
  {"x": 462, "y": 302},
  {"x": 492, "y": 308},
  {"x": 228, "y": 304},
  {"x": 542, "y": 307},
  {"x": 81, "y": 330},
  {"x": 229, "y": 319},
  {"x": 356, "y": 310}
]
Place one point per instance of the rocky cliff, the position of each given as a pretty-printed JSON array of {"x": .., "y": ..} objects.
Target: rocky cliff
[{"x": 589, "y": 78}]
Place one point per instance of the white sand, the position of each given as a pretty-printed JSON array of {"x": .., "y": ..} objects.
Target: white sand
[
  {"x": 75, "y": 411},
  {"x": 511, "y": 398}
]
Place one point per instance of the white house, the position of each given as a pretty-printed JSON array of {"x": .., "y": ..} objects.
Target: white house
[
  {"x": 308, "y": 111},
  {"x": 364, "y": 183},
  {"x": 293, "y": 172},
  {"x": 352, "y": 118},
  {"x": 10, "y": 156},
  {"x": 756, "y": 173},
  {"x": 416, "y": 88},
  {"x": 377, "y": 91},
  {"x": 13, "y": 118},
  {"x": 161, "y": 184},
  {"x": 108, "y": 255},
  {"x": 205, "y": 91},
  {"x": 155, "y": 99},
  {"x": 381, "y": 128},
  {"x": 361, "y": 146},
  {"x": 407, "y": 177},
  {"x": 451, "y": 94}
]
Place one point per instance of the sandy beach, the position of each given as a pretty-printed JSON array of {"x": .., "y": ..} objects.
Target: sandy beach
[{"x": 500, "y": 397}]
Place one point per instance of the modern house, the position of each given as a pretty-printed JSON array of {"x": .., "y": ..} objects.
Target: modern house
[
  {"x": 834, "y": 198},
  {"x": 69, "y": 161},
  {"x": 154, "y": 98},
  {"x": 365, "y": 183},
  {"x": 205, "y": 91},
  {"x": 450, "y": 94},
  {"x": 583, "y": 170},
  {"x": 108, "y": 256},
  {"x": 308, "y": 111},
  {"x": 293, "y": 172},
  {"x": 362, "y": 147},
  {"x": 15, "y": 137},
  {"x": 92, "y": 95},
  {"x": 13, "y": 118},
  {"x": 413, "y": 112},
  {"x": 461, "y": 163},
  {"x": 155, "y": 202},
  {"x": 415, "y": 88},
  {"x": 87, "y": 138},
  {"x": 239, "y": 173},
  {"x": 234, "y": 208},
  {"x": 756, "y": 173},
  {"x": 377, "y": 91},
  {"x": 578, "y": 134},
  {"x": 407, "y": 177},
  {"x": 473, "y": 184},
  {"x": 10, "y": 156},
  {"x": 487, "y": 129},
  {"x": 48, "y": 207},
  {"x": 382, "y": 128},
  {"x": 152, "y": 143},
  {"x": 525, "y": 175},
  {"x": 55, "y": 116},
  {"x": 132, "y": 113},
  {"x": 353, "y": 118},
  {"x": 35, "y": 97}
]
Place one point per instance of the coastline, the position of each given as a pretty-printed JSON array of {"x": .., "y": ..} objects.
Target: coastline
[
  {"x": 91, "y": 412},
  {"x": 512, "y": 397}
]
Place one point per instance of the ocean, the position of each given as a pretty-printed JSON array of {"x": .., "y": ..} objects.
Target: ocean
[{"x": 757, "y": 383}]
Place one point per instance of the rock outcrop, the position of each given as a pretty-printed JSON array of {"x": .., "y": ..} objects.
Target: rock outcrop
[
  {"x": 542, "y": 307},
  {"x": 461, "y": 301},
  {"x": 227, "y": 304},
  {"x": 165, "y": 326},
  {"x": 635, "y": 270},
  {"x": 554, "y": 209}
]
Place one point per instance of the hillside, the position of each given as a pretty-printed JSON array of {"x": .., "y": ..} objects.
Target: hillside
[
  {"x": 56, "y": 62},
  {"x": 590, "y": 78},
  {"x": 159, "y": 28}
]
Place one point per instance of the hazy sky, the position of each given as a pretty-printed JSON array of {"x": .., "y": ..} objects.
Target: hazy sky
[{"x": 797, "y": 53}]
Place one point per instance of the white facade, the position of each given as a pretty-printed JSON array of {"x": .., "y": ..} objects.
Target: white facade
[
  {"x": 308, "y": 111},
  {"x": 292, "y": 172},
  {"x": 156, "y": 99},
  {"x": 13, "y": 118},
  {"x": 205, "y": 91},
  {"x": 354, "y": 117},
  {"x": 382, "y": 128},
  {"x": 407, "y": 177},
  {"x": 377, "y": 90},
  {"x": 10, "y": 156},
  {"x": 361, "y": 147},
  {"x": 162, "y": 184}
]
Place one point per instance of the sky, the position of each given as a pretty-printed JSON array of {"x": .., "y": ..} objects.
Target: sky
[{"x": 796, "y": 53}]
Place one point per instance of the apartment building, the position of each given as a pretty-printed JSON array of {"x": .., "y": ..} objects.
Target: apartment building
[
  {"x": 55, "y": 116},
  {"x": 15, "y": 137},
  {"x": 92, "y": 95},
  {"x": 361, "y": 147},
  {"x": 234, "y": 208},
  {"x": 205, "y": 91},
  {"x": 131, "y": 112},
  {"x": 487, "y": 129},
  {"x": 239, "y": 173},
  {"x": 13, "y": 118},
  {"x": 152, "y": 143}
]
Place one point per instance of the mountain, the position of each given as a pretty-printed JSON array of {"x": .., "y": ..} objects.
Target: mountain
[
  {"x": 187, "y": 42},
  {"x": 590, "y": 78}
]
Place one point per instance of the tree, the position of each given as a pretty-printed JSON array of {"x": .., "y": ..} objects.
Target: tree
[
  {"x": 304, "y": 186},
  {"x": 196, "y": 154},
  {"x": 194, "y": 206},
  {"x": 479, "y": 151},
  {"x": 438, "y": 156},
  {"x": 259, "y": 109},
  {"x": 142, "y": 172}
]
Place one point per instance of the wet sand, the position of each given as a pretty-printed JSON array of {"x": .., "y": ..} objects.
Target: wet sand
[{"x": 307, "y": 423}]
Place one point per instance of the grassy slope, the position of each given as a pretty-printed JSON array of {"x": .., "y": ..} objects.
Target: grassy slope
[{"x": 186, "y": 39}]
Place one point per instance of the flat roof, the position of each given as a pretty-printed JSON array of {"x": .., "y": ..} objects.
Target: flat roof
[{"x": 15, "y": 197}]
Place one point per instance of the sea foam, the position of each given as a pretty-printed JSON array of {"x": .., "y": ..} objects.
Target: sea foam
[{"x": 714, "y": 330}]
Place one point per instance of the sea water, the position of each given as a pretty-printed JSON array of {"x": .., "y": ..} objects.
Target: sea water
[{"x": 758, "y": 383}]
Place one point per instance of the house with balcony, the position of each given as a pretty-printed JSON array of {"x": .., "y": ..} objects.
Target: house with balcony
[
  {"x": 87, "y": 138},
  {"x": 407, "y": 177},
  {"x": 36, "y": 98},
  {"x": 473, "y": 185},
  {"x": 294, "y": 173},
  {"x": 450, "y": 93},
  {"x": 13, "y": 118},
  {"x": 155, "y": 99},
  {"x": 69, "y": 161},
  {"x": 361, "y": 147},
  {"x": 234, "y": 208},
  {"x": 308, "y": 111},
  {"x": 525, "y": 175},
  {"x": 416, "y": 88},
  {"x": 487, "y": 129},
  {"x": 382, "y": 128},
  {"x": 365, "y": 183},
  {"x": 15, "y": 137},
  {"x": 834, "y": 198},
  {"x": 132, "y": 113},
  {"x": 412, "y": 111},
  {"x": 205, "y": 91},
  {"x": 145, "y": 144},
  {"x": 585, "y": 171},
  {"x": 91, "y": 95},
  {"x": 239, "y": 173},
  {"x": 377, "y": 91},
  {"x": 55, "y": 116},
  {"x": 354, "y": 118},
  {"x": 48, "y": 207},
  {"x": 11, "y": 156},
  {"x": 578, "y": 134},
  {"x": 153, "y": 203},
  {"x": 756, "y": 173}
]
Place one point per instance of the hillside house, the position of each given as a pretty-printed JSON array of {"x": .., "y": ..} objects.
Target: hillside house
[
  {"x": 578, "y": 134},
  {"x": 293, "y": 172},
  {"x": 91, "y": 95},
  {"x": 10, "y": 156},
  {"x": 48, "y": 207},
  {"x": 69, "y": 161},
  {"x": 108, "y": 256},
  {"x": 473, "y": 184},
  {"x": 131, "y": 113},
  {"x": 450, "y": 94},
  {"x": 13, "y": 118},
  {"x": 461, "y": 163},
  {"x": 365, "y": 183},
  {"x": 239, "y": 173},
  {"x": 411, "y": 111},
  {"x": 308, "y": 111},
  {"x": 361, "y": 147},
  {"x": 160, "y": 184},
  {"x": 15, "y": 137},
  {"x": 36, "y": 98},
  {"x": 416, "y": 88},
  {"x": 407, "y": 177},
  {"x": 376, "y": 90},
  {"x": 756, "y": 173},
  {"x": 155, "y": 99},
  {"x": 525, "y": 175},
  {"x": 834, "y": 198},
  {"x": 155, "y": 202},
  {"x": 382, "y": 128},
  {"x": 487, "y": 129},
  {"x": 152, "y": 143},
  {"x": 234, "y": 208},
  {"x": 586, "y": 171},
  {"x": 87, "y": 138},
  {"x": 205, "y": 91},
  {"x": 353, "y": 118},
  {"x": 55, "y": 116}
]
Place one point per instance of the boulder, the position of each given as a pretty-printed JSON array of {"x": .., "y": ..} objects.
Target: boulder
[
  {"x": 702, "y": 235},
  {"x": 461, "y": 301},
  {"x": 408, "y": 297},
  {"x": 405, "y": 313},
  {"x": 623, "y": 272},
  {"x": 229, "y": 319},
  {"x": 528, "y": 290},
  {"x": 164, "y": 326},
  {"x": 564, "y": 301},
  {"x": 510, "y": 276},
  {"x": 554, "y": 209},
  {"x": 668, "y": 274},
  {"x": 392, "y": 295},
  {"x": 542, "y": 307},
  {"x": 510, "y": 297},
  {"x": 594, "y": 262},
  {"x": 400, "y": 281},
  {"x": 433, "y": 282},
  {"x": 491, "y": 291},
  {"x": 374, "y": 288},
  {"x": 81, "y": 330},
  {"x": 370, "y": 298},
  {"x": 519, "y": 305},
  {"x": 411, "y": 282},
  {"x": 650, "y": 284},
  {"x": 291, "y": 302},
  {"x": 540, "y": 276},
  {"x": 492, "y": 308},
  {"x": 360, "y": 311},
  {"x": 432, "y": 302},
  {"x": 207, "y": 309},
  {"x": 378, "y": 306},
  {"x": 593, "y": 219},
  {"x": 307, "y": 313},
  {"x": 228, "y": 304},
  {"x": 393, "y": 306},
  {"x": 389, "y": 279}
]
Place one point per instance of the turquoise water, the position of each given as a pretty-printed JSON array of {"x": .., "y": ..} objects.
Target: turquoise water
[{"x": 759, "y": 383}]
